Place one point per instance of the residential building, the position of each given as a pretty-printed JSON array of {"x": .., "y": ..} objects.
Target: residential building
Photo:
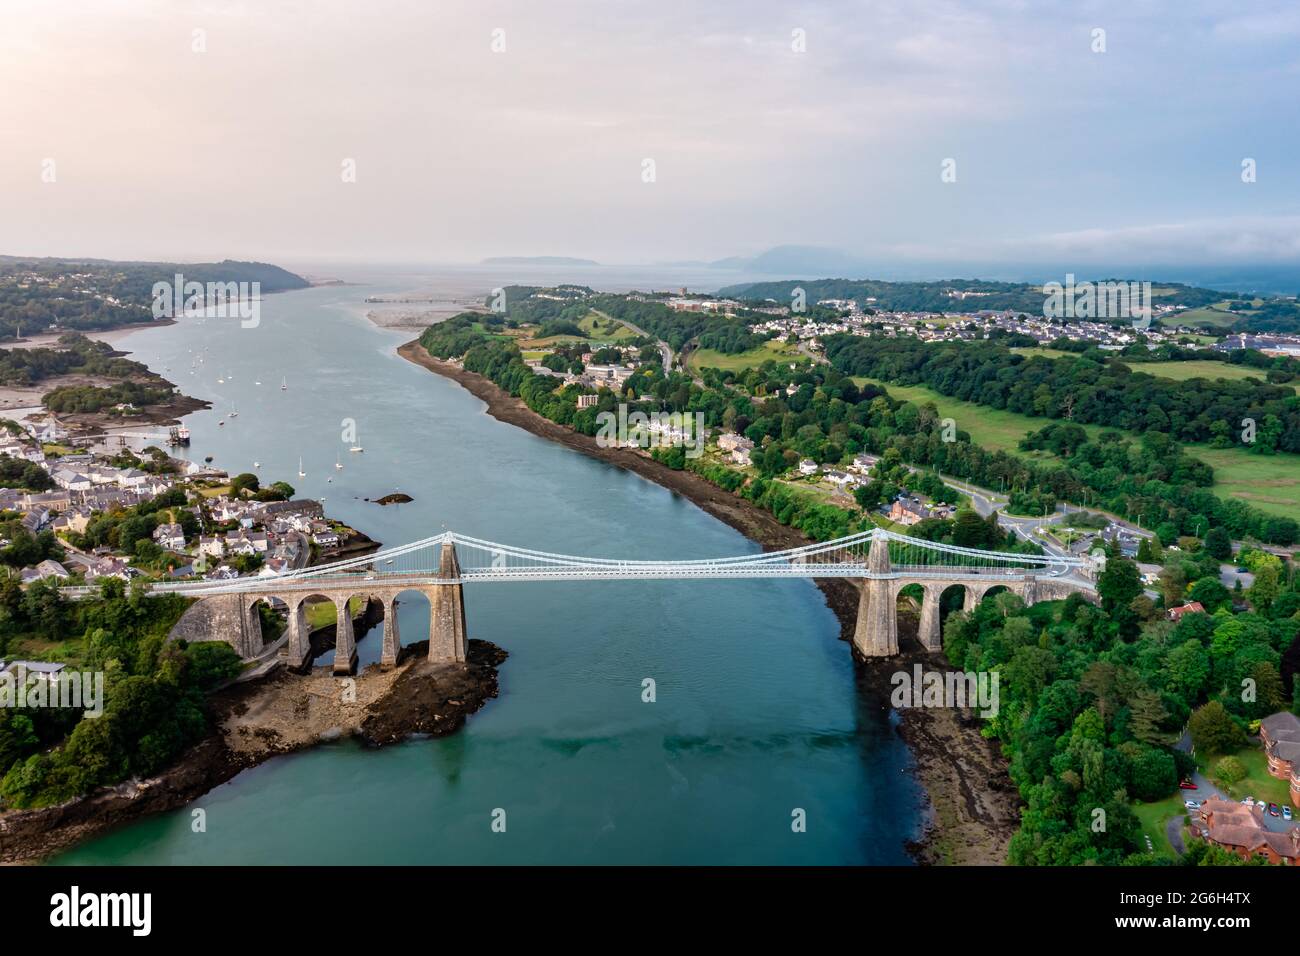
[
  {"x": 1192, "y": 607},
  {"x": 908, "y": 511},
  {"x": 1240, "y": 829},
  {"x": 169, "y": 537},
  {"x": 1280, "y": 735}
]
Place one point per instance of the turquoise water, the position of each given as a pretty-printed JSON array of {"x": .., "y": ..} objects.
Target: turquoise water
[{"x": 757, "y": 712}]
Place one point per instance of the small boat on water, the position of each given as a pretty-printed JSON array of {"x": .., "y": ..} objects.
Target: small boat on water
[
  {"x": 257, "y": 464},
  {"x": 284, "y": 383},
  {"x": 356, "y": 448},
  {"x": 338, "y": 464},
  {"x": 234, "y": 412},
  {"x": 301, "y": 473}
]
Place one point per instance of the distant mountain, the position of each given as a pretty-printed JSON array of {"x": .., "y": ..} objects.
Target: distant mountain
[{"x": 538, "y": 261}]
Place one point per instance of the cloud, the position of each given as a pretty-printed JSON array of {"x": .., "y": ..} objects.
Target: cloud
[{"x": 462, "y": 152}]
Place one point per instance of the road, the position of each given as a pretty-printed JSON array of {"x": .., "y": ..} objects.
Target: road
[{"x": 985, "y": 502}]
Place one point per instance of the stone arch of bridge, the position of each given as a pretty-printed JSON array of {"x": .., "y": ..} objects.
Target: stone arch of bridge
[{"x": 391, "y": 600}]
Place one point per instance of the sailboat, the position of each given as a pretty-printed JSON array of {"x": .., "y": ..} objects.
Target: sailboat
[
  {"x": 284, "y": 383},
  {"x": 234, "y": 412},
  {"x": 301, "y": 473},
  {"x": 337, "y": 464},
  {"x": 357, "y": 448}
]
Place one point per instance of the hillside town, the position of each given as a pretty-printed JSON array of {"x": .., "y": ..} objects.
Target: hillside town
[
  {"x": 963, "y": 326},
  {"x": 185, "y": 520}
]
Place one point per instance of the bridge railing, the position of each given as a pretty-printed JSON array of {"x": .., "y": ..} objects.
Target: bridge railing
[{"x": 482, "y": 560}]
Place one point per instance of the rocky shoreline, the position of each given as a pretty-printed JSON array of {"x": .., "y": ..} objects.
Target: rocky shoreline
[
  {"x": 254, "y": 722},
  {"x": 974, "y": 806}
]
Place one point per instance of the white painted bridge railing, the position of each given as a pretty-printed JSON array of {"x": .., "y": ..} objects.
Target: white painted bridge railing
[{"x": 483, "y": 561}]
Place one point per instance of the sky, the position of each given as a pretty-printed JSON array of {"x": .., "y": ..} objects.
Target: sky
[{"x": 641, "y": 132}]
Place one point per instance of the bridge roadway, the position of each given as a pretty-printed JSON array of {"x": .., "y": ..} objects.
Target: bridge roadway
[{"x": 227, "y": 610}]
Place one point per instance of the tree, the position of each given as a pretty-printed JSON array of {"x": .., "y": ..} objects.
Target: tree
[
  {"x": 1214, "y": 731},
  {"x": 1152, "y": 774},
  {"x": 1187, "y": 670},
  {"x": 241, "y": 483},
  {"x": 1266, "y": 588},
  {"x": 969, "y": 530},
  {"x": 1119, "y": 583},
  {"x": 1229, "y": 770},
  {"x": 1210, "y": 593},
  {"x": 1146, "y": 715},
  {"x": 1219, "y": 543}
]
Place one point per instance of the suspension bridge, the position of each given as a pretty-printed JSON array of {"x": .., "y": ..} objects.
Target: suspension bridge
[{"x": 440, "y": 566}]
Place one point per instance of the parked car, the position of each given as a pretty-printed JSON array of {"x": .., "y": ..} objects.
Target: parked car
[
  {"x": 1261, "y": 804},
  {"x": 1286, "y": 813},
  {"x": 1273, "y": 810},
  {"x": 1191, "y": 805},
  {"x": 1187, "y": 785},
  {"x": 1248, "y": 801}
]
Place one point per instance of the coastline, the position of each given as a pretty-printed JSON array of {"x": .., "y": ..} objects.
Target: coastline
[
  {"x": 973, "y": 805},
  {"x": 278, "y": 714}
]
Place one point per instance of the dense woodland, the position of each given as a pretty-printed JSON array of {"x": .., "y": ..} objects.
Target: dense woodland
[
  {"x": 707, "y": 330},
  {"x": 75, "y": 354},
  {"x": 75, "y": 293},
  {"x": 154, "y": 692},
  {"x": 1093, "y": 699}
]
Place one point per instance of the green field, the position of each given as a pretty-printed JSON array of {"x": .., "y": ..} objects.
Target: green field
[
  {"x": 1201, "y": 368},
  {"x": 1040, "y": 350},
  {"x": 771, "y": 349},
  {"x": 605, "y": 335},
  {"x": 1269, "y": 482},
  {"x": 1155, "y": 816},
  {"x": 1211, "y": 316},
  {"x": 1258, "y": 783},
  {"x": 991, "y": 427}
]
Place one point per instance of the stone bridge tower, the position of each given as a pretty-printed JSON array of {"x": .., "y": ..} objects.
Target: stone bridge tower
[
  {"x": 447, "y": 639},
  {"x": 876, "y": 632}
]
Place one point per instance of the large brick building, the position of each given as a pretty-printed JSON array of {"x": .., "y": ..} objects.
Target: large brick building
[
  {"x": 1280, "y": 735},
  {"x": 1240, "y": 829}
]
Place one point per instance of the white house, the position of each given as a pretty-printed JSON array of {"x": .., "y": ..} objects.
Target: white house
[{"x": 170, "y": 537}]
